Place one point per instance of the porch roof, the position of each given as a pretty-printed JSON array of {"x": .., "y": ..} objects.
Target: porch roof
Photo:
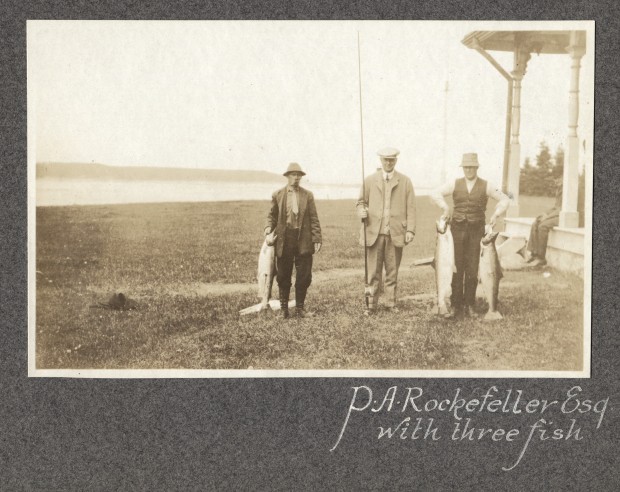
[{"x": 539, "y": 42}]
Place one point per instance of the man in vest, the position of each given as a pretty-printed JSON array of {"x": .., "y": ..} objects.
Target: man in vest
[
  {"x": 387, "y": 204},
  {"x": 467, "y": 221},
  {"x": 294, "y": 218}
]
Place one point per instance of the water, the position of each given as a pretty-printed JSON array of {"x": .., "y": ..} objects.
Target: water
[{"x": 54, "y": 191}]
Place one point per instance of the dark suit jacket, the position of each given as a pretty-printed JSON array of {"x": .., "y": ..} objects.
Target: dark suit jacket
[{"x": 310, "y": 229}]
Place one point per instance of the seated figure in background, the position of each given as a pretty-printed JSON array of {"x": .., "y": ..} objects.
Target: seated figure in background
[{"x": 539, "y": 233}]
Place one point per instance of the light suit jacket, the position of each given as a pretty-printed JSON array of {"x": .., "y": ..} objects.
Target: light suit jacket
[
  {"x": 402, "y": 207},
  {"x": 310, "y": 228}
]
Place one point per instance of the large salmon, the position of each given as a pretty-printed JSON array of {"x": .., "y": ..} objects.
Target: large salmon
[
  {"x": 265, "y": 274},
  {"x": 445, "y": 267},
  {"x": 266, "y": 269},
  {"x": 490, "y": 273}
]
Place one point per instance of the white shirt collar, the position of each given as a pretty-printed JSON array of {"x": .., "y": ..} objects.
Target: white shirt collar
[
  {"x": 388, "y": 176},
  {"x": 470, "y": 183}
]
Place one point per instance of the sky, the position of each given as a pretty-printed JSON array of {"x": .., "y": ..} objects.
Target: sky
[{"x": 258, "y": 95}]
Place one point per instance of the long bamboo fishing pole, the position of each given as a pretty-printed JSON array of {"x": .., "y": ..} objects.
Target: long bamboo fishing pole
[{"x": 364, "y": 221}]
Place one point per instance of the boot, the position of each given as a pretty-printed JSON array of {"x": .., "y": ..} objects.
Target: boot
[
  {"x": 371, "y": 307},
  {"x": 284, "y": 293},
  {"x": 300, "y": 298},
  {"x": 299, "y": 311}
]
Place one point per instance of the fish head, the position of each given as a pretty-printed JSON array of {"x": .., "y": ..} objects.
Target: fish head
[
  {"x": 270, "y": 239},
  {"x": 489, "y": 238},
  {"x": 442, "y": 225}
]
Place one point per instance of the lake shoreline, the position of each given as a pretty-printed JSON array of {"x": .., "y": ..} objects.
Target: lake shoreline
[{"x": 83, "y": 192}]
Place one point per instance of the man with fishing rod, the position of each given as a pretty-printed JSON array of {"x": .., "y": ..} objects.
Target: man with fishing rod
[
  {"x": 467, "y": 221},
  {"x": 386, "y": 206}
]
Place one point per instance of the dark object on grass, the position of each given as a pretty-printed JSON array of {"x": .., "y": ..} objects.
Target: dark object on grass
[{"x": 118, "y": 302}]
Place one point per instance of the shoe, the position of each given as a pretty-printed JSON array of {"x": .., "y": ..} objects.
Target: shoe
[
  {"x": 531, "y": 258},
  {"x": 284, "y": 313},
  {"x": 538, "y": 262},
  {"x": 469, "y": 312},
  {"x": 300, "y": 312}
]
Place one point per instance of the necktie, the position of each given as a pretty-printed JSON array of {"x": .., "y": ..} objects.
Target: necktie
[{"x": 294, "y": 204}]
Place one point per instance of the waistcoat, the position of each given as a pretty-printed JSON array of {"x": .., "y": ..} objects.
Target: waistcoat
[
  {"x": 384, "y": 227},
  {"x": 469, "y": 206}
]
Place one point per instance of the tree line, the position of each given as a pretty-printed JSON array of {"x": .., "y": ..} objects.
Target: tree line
[{"x": 542, "y": 177}]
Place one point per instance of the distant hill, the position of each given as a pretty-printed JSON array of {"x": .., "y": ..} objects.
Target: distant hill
[{"x": 138, "y": 173}]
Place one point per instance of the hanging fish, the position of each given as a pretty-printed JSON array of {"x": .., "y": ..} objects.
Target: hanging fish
[
  {"x": 266, "y": 269},
  {"x": 490, "y": 273},
  {"x": 445, "y": 266}
]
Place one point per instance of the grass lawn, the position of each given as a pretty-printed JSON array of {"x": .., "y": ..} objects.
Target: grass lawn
[{"x": 192, "y": 267}]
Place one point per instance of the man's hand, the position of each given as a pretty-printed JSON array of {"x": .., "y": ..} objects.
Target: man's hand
[
  {"x": 271, "y": 238},
  {"x": 446, "y": 215},
  {"x": 362, "y": 212},
  {"x": 317, "y": 247},
  {"x": 409, "y": 237},
  {"x": 267, "y": 231}
]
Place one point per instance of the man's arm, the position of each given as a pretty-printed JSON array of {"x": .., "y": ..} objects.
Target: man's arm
[
  {"x": 437, "y": 195},
  {"x": 410, "y": 212},
  {"x": 503, "y": 201},
  {"x": 362, "y": 201},
  {"x": 315, "y": 225},
  {"x": 272, "y": 215}
]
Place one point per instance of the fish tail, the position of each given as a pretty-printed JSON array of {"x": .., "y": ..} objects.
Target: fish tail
[{"x": 493, "y": 316}]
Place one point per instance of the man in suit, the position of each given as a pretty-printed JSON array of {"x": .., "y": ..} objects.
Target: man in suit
[
  {"x": 294, "y": 218},
  {"x": 387, "y": 205},
  {"x": 467, "y": 221}
]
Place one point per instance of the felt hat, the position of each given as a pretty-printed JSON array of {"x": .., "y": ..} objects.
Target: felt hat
[
  {"x": 293, "y": 167},
  {"x": 470, "y": 160}
]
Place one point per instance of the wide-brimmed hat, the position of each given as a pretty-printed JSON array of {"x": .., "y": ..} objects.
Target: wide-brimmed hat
[
  {"x": 470, "y": 160},
  {"x": 388, "y": 152},
  {"x": 293, "y": 167}
]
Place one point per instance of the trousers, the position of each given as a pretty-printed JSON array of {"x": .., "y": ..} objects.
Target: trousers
[
  {"x": 383, "y": 253},
  {"x": 467, "y": 236},
  {"x": 303, "y": 268},
  {"x": 539, "y": 233}
]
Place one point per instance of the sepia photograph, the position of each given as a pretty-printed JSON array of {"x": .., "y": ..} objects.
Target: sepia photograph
[{"x": 310, "y": 198}]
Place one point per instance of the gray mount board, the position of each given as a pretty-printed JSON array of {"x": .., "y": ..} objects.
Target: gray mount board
[{"x": 276, "y": 434}]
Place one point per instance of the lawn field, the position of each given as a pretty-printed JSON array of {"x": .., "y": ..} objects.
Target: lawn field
[{"x": 191, "y": 267}]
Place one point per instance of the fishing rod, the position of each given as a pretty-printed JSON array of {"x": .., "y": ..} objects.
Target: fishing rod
[{"x": 364, "y": 221}]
